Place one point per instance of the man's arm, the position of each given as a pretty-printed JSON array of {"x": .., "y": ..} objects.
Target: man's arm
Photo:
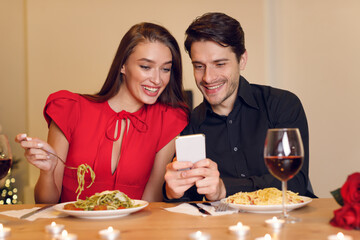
[
  {"x": 285, "y": 111},
  {"x": 289, "y": 113}
]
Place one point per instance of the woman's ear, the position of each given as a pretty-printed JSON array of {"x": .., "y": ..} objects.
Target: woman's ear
[{"x": 122, "y": 69}]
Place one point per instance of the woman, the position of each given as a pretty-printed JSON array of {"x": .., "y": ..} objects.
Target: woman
[{"x": 125, "y": 133}]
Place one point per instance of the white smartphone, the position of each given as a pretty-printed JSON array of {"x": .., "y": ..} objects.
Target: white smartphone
[{"x": 190, "y": 147}]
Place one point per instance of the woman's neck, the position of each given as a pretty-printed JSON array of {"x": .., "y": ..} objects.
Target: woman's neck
[{"x": 124, "y": 100}]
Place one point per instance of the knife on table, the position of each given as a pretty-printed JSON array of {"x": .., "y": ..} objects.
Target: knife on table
[
  {"x": 35, "y": 211},
  {"x": 200, "y": 208}
]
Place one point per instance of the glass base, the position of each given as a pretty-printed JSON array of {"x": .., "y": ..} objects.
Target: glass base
[
  {"x": 3, "y": 221},
  {"x": 290, "y": 219}
]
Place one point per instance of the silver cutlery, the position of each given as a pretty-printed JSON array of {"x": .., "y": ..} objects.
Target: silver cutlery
[
  {"x": 201, "y": 210},
  {"x": 35, "y": 211},
  {"x": 221, "y": 207}
]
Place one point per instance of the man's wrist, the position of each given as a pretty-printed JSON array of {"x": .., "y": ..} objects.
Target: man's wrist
[
  {"x": 167, "y": 190},
  {"x": 222, "y": 189},
  {"x": 219, "y": 194},
  {"x": 170, "y": 194}
]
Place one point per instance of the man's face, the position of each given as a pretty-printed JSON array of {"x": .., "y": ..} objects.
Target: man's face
[{"x": 217, "y": 72}]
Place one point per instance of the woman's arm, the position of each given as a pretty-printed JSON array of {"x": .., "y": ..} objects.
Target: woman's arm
[
  {"x": 49, "y": 184},
  {"x": 153, "y": 189}
]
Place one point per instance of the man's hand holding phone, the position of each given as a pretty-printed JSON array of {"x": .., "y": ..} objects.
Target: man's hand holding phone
[
  {"x": 177, "y": 183},
  {"x": 192, "y": 167},
  {"x": 210, "y": 184}
]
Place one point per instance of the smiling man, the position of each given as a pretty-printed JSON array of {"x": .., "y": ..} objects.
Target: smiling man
[{"x": 234, "y": 116}]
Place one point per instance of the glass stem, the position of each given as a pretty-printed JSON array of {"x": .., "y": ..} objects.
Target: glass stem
[{"x": 284, "y": 198}]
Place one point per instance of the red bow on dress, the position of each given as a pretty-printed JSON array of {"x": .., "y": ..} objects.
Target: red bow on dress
[{"x": 138, "y": 124}]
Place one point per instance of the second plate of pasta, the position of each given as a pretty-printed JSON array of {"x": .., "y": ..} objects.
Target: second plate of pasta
[
  {"x": 267, "y": 200},
  {"x": 268, "y": 208}
]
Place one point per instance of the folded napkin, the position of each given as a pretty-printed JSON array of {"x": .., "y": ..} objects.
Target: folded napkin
[
  {"x": 47, "y": 213},
  {"x": 191, "y": 210}
]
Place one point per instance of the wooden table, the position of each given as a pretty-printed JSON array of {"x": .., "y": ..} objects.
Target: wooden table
[{"x": 154, "y": 222}]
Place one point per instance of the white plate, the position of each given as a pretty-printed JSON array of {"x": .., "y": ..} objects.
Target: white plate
[
  {"x": 103, "y": 214},
  {"x": 268, "y": 208}
]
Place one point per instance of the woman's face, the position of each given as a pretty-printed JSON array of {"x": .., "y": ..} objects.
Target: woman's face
[{"x": 147, "y": 71}]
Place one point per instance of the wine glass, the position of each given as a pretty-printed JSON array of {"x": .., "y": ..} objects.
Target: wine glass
[
  {"x": 5, "y": 160},
  {"x": 5, "y": 156},
  {"x": 284, "y": 154}
]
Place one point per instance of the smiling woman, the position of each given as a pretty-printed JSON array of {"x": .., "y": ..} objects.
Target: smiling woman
[{"x": 132, "y": 121}]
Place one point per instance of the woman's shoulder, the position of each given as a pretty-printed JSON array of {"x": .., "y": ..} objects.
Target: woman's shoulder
[
  {"x": 65, "y": 99},
  {"x": 63, "y": 94},
  {"x": 70, "y": 97},
  {"x": 64, "y": 107}
]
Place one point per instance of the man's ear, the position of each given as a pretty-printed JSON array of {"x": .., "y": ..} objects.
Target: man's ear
[{"x": 243, "y": 60}]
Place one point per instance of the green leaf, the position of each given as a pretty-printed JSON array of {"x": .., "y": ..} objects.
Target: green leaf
[{"x": 337, "y": 195}]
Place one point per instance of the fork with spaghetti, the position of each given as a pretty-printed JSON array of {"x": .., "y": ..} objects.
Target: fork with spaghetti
[{"x": 82, "y": 169}]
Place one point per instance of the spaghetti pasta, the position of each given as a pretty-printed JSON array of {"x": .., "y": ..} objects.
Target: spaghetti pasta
[
  {"x": 81, "y": 171},
  {"x": 266, "y": 196},
  {"x": 108, "y": 200}
]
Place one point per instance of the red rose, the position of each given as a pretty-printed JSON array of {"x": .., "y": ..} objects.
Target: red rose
[
  {"x": 347, "y": 217},
  {"x": 350, "y": 191}
]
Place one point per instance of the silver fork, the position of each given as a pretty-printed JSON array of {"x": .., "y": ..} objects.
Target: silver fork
[
  {"x": 55, "y": 155},
  {"x": 61, "y": 160},
  {"x": 222, "y": 207}
]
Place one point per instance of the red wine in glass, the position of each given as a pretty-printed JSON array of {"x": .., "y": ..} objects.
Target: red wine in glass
[
  {"x": 5, "y": 156},
  {"x": 284, "y": 168},
  {"x": 5, "y": 165}
]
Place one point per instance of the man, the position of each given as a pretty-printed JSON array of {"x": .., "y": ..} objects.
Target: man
[{"x": 234, "y": 117}]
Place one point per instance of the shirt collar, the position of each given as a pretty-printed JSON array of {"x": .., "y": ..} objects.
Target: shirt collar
[{"x": 245, "y": 94}]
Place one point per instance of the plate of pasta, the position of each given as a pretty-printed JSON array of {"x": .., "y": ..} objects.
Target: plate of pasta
[
  {"x": 268, "y": 200},
  {"x": 107, "y": 204}
]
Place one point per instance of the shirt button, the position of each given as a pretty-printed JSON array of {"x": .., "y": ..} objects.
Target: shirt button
[
  {"x": 230, "y": 121},
  {"x": 235, "y": 149},
  {"x": 243, "y": 175}
]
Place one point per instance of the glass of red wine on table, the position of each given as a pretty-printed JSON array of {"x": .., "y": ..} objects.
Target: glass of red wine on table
[
  {"x": 284, "y": 154},
  {"x": 5, "y": 156},
  {"x": 5, "y": 159}
]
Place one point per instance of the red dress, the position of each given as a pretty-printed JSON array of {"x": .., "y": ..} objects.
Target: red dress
[{"x": 89, "y": 128}]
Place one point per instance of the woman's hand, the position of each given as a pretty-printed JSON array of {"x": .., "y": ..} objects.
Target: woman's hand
[{"x": 36, "y": 152}]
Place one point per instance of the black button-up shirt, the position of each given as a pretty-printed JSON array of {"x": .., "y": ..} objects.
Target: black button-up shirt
[{"x": 236, "y": 142}]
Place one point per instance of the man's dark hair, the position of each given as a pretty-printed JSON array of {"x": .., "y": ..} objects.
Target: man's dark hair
[{"x": 217, "y": 27}]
